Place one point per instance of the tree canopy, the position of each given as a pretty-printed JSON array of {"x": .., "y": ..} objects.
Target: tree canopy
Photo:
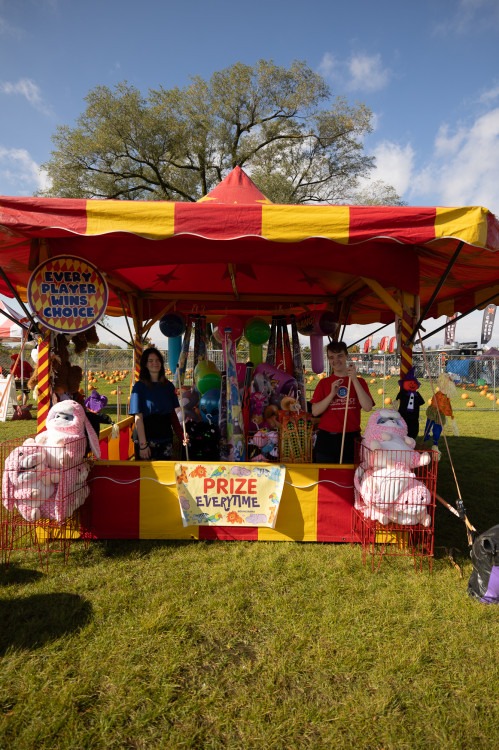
[{"x": 298, "y": 142}]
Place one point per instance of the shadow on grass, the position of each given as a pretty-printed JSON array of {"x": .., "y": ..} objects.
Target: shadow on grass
[
  {"x": 472, "y": 475},
  {"x": 31, "y": 622},
  {"x": 12, "y": 574},
  {"x": 116, "y": 548}
]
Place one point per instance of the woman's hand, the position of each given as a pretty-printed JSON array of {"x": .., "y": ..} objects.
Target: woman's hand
[{"x": 145, "y": 452}]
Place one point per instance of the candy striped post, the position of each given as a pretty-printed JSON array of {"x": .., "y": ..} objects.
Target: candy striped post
[
  {"x": 43, "y": 386},
  {"x": 406, "y": 323},
  {"x": 138, "y": 348}
]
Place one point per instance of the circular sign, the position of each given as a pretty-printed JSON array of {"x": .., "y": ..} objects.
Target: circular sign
[{"x": 67, "y": 294}]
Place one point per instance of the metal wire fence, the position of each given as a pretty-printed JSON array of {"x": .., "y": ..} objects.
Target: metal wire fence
[{"x": 475, "y": 375}]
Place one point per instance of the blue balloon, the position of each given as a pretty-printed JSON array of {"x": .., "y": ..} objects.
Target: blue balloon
[
  {"x": 209, "y": 405},
  {"x": 172, "y": 325},
  {"x": 174, "y": 349}
]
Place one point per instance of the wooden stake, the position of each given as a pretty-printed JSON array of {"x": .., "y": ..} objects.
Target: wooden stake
[{"x": 345, "y": 422}]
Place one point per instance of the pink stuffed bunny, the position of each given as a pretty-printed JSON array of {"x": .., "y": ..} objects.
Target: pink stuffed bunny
[
  {"x": 28, "y": 483},
  {"x": 65, "y": 437},
  {"x": 386, "y": 488}
]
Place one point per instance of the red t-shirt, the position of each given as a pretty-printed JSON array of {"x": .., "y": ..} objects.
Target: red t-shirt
[{"x": 333, "y": 418}]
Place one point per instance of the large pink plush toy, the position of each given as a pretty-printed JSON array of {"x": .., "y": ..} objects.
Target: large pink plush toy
[
  {"x": 386, "y": 487},
  {"x": 65, "y": 436},
  {"x": 57, "y": 486},
  {"x": 28, "y": 484}
]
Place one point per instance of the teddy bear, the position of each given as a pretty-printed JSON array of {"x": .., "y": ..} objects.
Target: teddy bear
[
  {"x": 28, "y": 483},
  {"x": 386, "y": 487}
]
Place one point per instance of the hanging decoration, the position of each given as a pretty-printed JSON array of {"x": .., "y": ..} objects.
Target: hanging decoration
[
  {"x": 317, "y": 324},
  {"x": 173, "y": 325},
  {"x": 298, "y": 370},
  {"x": 257, "y": 333}
]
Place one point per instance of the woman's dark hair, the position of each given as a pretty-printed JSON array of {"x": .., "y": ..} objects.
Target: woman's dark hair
[
  {"x": 145, "y": 375},
  {"x": 336, "y": 347}
]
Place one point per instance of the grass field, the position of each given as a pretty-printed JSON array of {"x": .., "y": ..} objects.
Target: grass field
[{"x": 257, "y": 645}]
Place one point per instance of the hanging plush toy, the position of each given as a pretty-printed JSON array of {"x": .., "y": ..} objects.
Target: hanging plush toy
[
  {"x": 439, "y": 409},
  {"x": 387, "y": 489},
  {"x": 410, "y": 402}
]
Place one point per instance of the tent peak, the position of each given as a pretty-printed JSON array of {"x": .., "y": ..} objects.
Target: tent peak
[{"x": 236, "y": 187}]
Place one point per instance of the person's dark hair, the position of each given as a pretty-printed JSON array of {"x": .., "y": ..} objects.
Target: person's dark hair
[
  {"x": 336, "y": 347},
  {"x": 145, "y": 375}
]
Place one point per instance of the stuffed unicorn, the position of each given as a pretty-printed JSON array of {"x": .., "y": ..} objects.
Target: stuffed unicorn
[{"x": 387, "y": 489}]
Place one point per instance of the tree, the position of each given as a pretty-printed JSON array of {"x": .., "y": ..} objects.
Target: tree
[
  {"x": 282, "y": 125},
  {"x": 376, "y": 193}
]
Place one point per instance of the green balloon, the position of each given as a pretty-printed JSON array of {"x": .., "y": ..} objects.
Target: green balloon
[
  {"x": 257, "y": 331},
  {"x": 208, "y": 381}
]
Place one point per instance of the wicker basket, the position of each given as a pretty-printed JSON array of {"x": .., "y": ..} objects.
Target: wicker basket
[{"x": 295, "y": 437}]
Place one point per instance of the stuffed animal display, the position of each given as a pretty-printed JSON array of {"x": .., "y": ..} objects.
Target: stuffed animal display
[
  {"x": 66, "y": 378},
  {"x": 268, "y": 388},
  {"x": 439, "y": 409},
  {"x": 386, "y": 487},
  {"x": 46, "y": 478},
  {"x": 28, "y": 483},
  {"x": 410, "y": 402}
]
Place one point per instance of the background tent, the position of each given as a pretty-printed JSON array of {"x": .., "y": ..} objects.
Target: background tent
[
  {"x": 234, "y": 251},
  {"x": 9, "y": 331}
]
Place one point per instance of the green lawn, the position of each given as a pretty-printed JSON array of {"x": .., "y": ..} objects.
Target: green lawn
[{"x": 258, "y": 645}]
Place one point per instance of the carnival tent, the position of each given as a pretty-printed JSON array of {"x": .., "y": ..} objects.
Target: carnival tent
[
  {"x": 10, "y": 331},
  {"x": 236, "y": 252}
]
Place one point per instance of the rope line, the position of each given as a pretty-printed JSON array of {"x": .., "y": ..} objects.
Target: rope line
[{"x": 172, "y": 484}]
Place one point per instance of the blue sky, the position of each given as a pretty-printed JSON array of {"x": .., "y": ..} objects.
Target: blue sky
[{"x": 429, "y": 71}]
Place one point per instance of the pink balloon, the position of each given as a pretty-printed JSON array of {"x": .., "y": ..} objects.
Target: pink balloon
[
  {"x": 232, "y": 322},
  {"x": 317, "y": 354}
]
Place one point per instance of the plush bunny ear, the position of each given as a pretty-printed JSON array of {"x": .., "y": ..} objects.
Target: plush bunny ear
[{"x": 92, "y": 438}]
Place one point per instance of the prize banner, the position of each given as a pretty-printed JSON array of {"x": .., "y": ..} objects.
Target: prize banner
[{"x": 241, "y": 495}]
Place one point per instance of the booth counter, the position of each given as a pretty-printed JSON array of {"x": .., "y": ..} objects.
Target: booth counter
[{"x": 139, "y": 500}]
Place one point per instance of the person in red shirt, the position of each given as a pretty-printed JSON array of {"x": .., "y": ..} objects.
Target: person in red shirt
[{"x": 329, "y": 403}]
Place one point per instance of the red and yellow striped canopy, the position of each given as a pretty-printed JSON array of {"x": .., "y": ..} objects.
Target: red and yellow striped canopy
[{"x": 234, "y": 251}]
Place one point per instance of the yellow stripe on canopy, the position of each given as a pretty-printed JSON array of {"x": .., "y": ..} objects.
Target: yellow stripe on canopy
[
  {"x": 468, "y": 224},
  {"x": 295, "y": 223},
  {"x": 154, "y": 220}
]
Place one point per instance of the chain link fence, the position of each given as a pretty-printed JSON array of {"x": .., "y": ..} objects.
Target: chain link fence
[{"x": 476, "y": 376}]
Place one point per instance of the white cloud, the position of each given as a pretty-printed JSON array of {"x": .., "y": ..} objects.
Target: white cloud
[
  {"x": 463, "y": 170},
  {"x": 361, "y": 72},
  {"x": 470, "y": 16},
  {"x": 31, "y": 92},
  {"x": 19, "y": 173},
  {"x": 490, "y": 95},
  {"x": 367, "y": 73},
  {"x": 394, "y": 165}
]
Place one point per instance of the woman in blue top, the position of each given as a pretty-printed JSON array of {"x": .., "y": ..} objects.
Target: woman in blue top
[{"x": 153, "y": 402}]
